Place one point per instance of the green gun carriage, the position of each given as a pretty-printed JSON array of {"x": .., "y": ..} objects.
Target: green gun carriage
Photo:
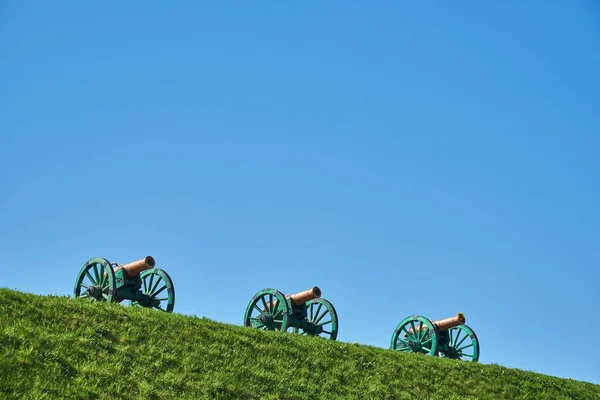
[
  {"x": 305, "y": 313},
  {"x": 448, "y": 338},
  {"x": 139, "y": 282}
]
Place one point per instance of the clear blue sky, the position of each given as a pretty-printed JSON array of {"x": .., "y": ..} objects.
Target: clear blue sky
[{"x": 406, "y": 158}]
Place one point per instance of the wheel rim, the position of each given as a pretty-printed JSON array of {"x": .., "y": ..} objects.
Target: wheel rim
[
  {"x": 96, "y": 281},
  {"x": 268, "y": 310},
  {"x": 157, "y": 284},
  {"x": 321, "y": 313},
  {"x": 463, "y": 344},
  {"x": 415, "y": 334}
]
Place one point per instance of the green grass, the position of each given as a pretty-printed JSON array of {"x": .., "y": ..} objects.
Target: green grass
[{"x": 58, "y": 348}]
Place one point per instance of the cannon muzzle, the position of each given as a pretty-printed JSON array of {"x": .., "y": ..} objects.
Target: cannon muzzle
[
  {"x": 444, "y": 324},
  {"x": 134, "y": 268},
  {"x": 300, "y": 298}
]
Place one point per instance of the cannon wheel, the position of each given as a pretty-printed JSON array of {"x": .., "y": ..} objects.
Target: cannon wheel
[
  {"x": 268, "y": 310},
  {"x": 157, "y": 284},
  {"x": 96, "y": 281},
  {"x": 421, "y": 340},
  {"x": 316, "y": 311},
  {"x": 461, "y": 338}
]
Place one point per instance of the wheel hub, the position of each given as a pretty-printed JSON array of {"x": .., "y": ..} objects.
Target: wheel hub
[
  {"x": 451, "y": 353},
  {"x": 415, "y": 345},
  {"x": 267, "y": 320},
  {"x": 316, "y": 330},
  {"x": 95, "y": 291}
]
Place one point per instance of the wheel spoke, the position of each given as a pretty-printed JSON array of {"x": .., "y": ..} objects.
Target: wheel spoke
[
  {"x": 258, "y": 308},
  {"x": 465, "y": 346},
  {"x": 458, "y": 332},
  {"x": 154, "y": 294},
  {"x": 161, "y": 298},
  {"x": 87, "y": 273},
  {"x": 84, "y": 285},
  {"x": 461, "y": 341},
  {"x": 321, "y": 316},
  {"x": 101, "y": 276},
  {"x": 151, "y": 280},
  {"x": 96, "y": 272},
  {"x": 424, "y": 331},
  {"x": 318, "y": 311},
  {"x": 144, "y": 284},
  {"x": 421, "y": 335},
  {"x": 326, "y": 332},
  {"x": 105, "y": 279},
  {"x": 264, "y": 303},
  {"x": 324, "y": 323},
  {"x": 156, "y": 284},
  {"x": 414, "y": 330},
  {"x": 105, "y": 296}
]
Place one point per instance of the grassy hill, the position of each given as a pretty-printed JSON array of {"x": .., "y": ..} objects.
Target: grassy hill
[{"x": 58, "y": 348}]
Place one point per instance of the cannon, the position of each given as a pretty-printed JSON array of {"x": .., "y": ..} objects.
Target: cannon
[
  {"x": 448, "y": 338},
  {"x": 271, "y": 310},
  {"x": 138, "y": 281}
]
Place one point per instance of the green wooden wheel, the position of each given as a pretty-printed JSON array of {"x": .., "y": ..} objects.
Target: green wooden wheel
[
  {"x": 462, "y": 345},
  {"x": 268, "y": 310},
  {"x": 157, "y": 284},
  {"x": 416, "y": 334},
  {"x": 322, "y": 314},
  {"x": 96, "y": 281}
]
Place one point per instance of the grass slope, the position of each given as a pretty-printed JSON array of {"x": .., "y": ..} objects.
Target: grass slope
[{"x": 58, "y": 348}]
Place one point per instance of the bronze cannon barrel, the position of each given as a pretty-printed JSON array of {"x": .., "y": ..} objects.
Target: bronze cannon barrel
[
  {"x": 444, "y": 324},
  {"x": 447, "y": 323},
  {"x": 307, "y": 295},
  {"x": 135, "y": 267},
  {"x": 299, "y": 298}
]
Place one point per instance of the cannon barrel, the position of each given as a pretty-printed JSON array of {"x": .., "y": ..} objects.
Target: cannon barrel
[
  {"x": 135, "y": 267},
  {"x": 307, "y": 295},
  {"x": 445, "y": 324}
]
